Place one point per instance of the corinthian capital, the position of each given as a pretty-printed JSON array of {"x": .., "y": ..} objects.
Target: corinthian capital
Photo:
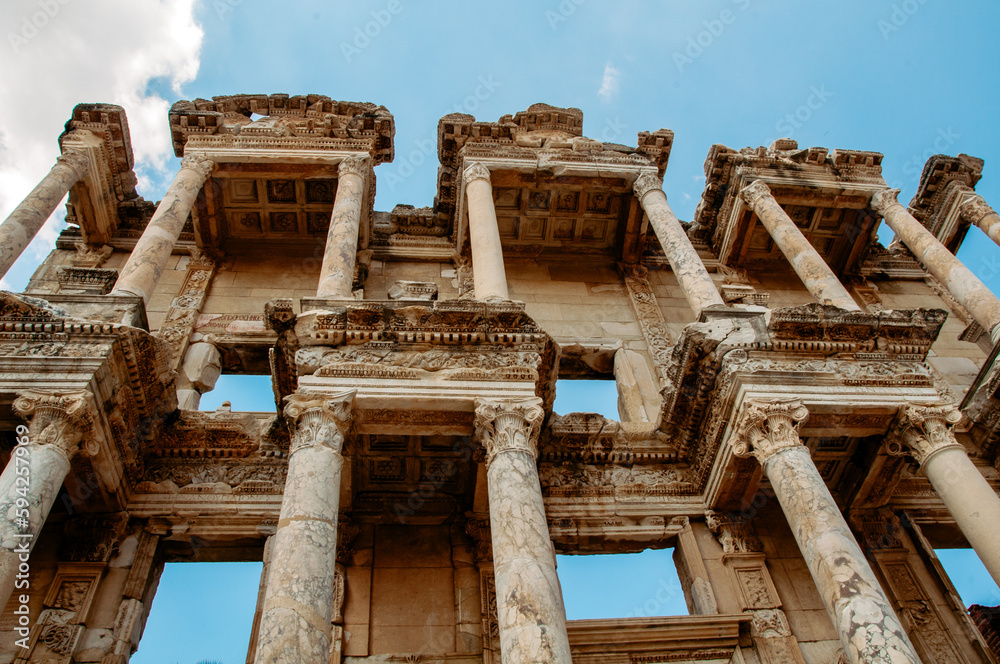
[
  {"x": 765, "y": 428},
  {"x": 319, "y": 419},
  {"x": 475, "y": 171},
  {"x": 974, "y": 208},
  {"x": 883, "y": 199},
  {"x": 646, "y": 183},
  {"x": 508, "y": 425},
  {"x": 200, "y": 165},
  {"x": 753, "y": 193},
  {"x": 353, "y": 166},
  {"x": 76, "y": 160},
  {"x": 55, "y": 418},
  {"x": 920, "y": 431}
]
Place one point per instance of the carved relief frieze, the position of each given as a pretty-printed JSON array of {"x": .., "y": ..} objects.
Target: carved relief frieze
[
  {"x": 183, "y": 313},
  {"x": 651, "y": 322},
  {"x": 623, "y": 483}
]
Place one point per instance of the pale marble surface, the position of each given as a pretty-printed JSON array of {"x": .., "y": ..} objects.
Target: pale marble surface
[
  {"x": 336, "y": 277},
  {"x": 484, "y": 235},
  {"x": 141, "y": 273},
  {"x": 694, "y": 280},
  {"x": 868, "y": 627},
  {"x": 958, "y": 279},
  {"x": 27, "y": 218},
  {"x": 815, "y": 274}
]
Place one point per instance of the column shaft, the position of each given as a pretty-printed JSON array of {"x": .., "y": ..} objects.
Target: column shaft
[
  {"x": 970, "y": 499},
  {"x": 530, "y": 609},
  {"x": 484, "y": 235},
  {"x": 17, "y": 231},
  {"x": 958, "y": 279},
  {"x": 141, "y": 273},
  {"x": 694, "y": 280},
  {"x": 817, "y": 276},
  {"x": 298, "y": 602},
  {"x": 336, "y": 279},
  {"x": 868, "y": 627},
  {"x": 977, "y": 211}
]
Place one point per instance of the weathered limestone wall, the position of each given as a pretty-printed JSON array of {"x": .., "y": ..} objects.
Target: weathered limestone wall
[
  {"x": 383, "y": 275},
  {"x": 247, "y": 281}
]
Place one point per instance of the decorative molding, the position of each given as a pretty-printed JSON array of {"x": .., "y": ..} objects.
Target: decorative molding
[
  {"x": 975, "y": 208},
  {"x": 646, "y": 183},
  {"x": 58, "y": 419},
  {"x": 735, "y": 532},
  {"x": 883, "y": 199},
  {"x": 504, "y": 425},
  {"x": 77, "y": 160},
  {"x": 199, "y": 164},
  {"x": 315, "y": 419},
  {"x": 475, "y": 171},
  {"x": 920, "y": 431},
  {"x": 765, "y": 428},
  {"x": 752, "y": 194},
  {"x": 354, "y": 165}
]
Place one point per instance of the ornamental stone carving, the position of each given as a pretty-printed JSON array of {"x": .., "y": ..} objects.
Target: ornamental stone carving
[
  {"x": 78, "y": 161},
  {"x": 200, "y": 165},
  {"x": 54, "y": 418},
  {"x": 476, "y": 171},
  {"x": 765, "y": 428},
  {"x": 508, "y": 426},
  {"x": 734, "y": 532},
  {"x": 883, "y": 199},
  {"x": 646, "y": 183},
  {"x": 975, "y": 208},
  {"x": 753, "y": 193},
  {"x": 920, "y": 431},
  {"x": 319, "y": 419},
  {"x": 353, "y": 166}
]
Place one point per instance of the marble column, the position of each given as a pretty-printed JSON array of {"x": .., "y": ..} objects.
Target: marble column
[
  {"x": 336, "y": 278},
  {"x": 298, "y": 601},
  {"x": 924, "y": 433},
  {"x": 17, "y": 231},
  {"x": 817, "y": 276},
  {"x": 862, "y": 614},
  {"x": 958, "y": 279},
  {"x": 57, "y": 423},
  {"x": 978, "y": 212},
  {"x": 142, "y": 271},
  {"x": 694, "y": 280},
  {"x": 484, "y": 235},
  {"x": 530, "y": 608}
]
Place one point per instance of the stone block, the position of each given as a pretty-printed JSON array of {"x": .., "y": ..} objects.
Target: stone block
[{"x": 413, "y": 290}]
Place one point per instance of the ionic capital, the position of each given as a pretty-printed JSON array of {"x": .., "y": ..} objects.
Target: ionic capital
[
  {"x": 58, "y": 418},
  {"x": 201, "y": 165},
  {"x": 508, "y": 425},
  {"x": 475, "y": 171},
  {"x": 920, "y": 431},
  {"x": 753, "y": 193},
  {"x": 646, "y": 183},
  {"x": 883, "y": 199},
  {"x": 319, "y": 419},
  {"x": 77, "y": 160},
  {"x": 765, "y": 428},
  {"x": 974, "y": 209},
  {"x": 353, "y": 166}
]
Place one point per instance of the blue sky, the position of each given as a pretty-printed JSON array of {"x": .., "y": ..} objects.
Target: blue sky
[{"x": 907, "y": 78}]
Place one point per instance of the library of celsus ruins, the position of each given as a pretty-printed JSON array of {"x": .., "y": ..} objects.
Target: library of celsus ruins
[{"x": 805, "y": 413}]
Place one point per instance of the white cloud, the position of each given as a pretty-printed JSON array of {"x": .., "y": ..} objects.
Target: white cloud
[
  {"x": 609, "y": 83},
  {"x": 58, "y": 53}
]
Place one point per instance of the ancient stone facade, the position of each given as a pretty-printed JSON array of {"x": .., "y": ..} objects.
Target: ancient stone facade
[{"x": 804, "y": 413}]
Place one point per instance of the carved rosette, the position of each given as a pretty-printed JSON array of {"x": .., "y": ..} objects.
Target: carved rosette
[
  {"x": 755, "y": 192},
  {"x": 201, "y": 165},
  {"x": 315, "y": 419},
  {"x": 920, "y": 431},
  {"x": 508, "y": 425},
  {"x": 646, "y": 183},
  {"x": 76, "y": 160},
  {"x": 974, "y": 209},
  {"x": 59, "y": 419},
  {"x": 353, "y": 166},
  {"x": 883, "y": 199},
  {"x": 475, "y": 171},
  {"x": 767, "y": 427}
]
